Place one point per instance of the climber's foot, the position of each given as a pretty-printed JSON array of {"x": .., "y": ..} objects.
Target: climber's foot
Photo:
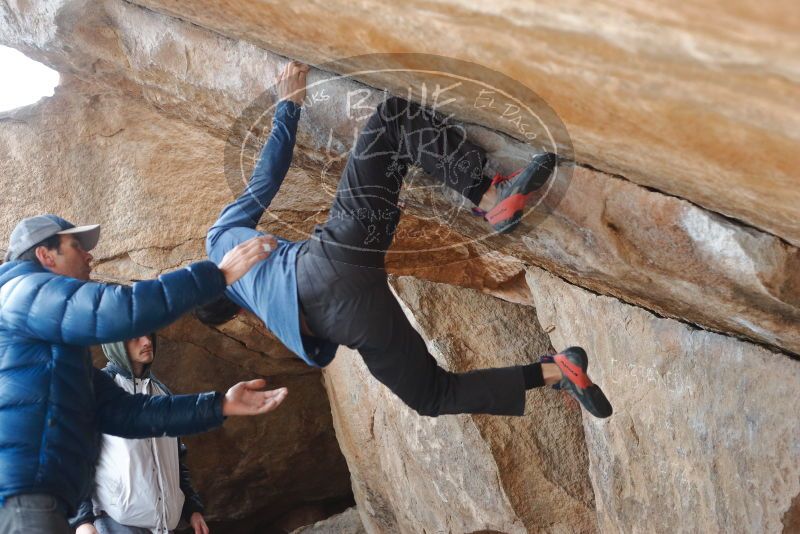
[
  {"x": 514, "y": 190},
  {"x": 573, "y": 363},
  {"x": 548, "y": 358}
]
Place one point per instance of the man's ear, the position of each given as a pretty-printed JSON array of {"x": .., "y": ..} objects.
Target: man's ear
[{"x": 45, "y": 257}]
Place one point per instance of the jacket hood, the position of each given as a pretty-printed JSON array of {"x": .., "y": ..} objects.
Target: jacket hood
[{"x": 117, "y": 354}]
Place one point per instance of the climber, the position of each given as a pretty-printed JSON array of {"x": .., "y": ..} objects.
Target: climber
[{"x": 332, "y": 289}]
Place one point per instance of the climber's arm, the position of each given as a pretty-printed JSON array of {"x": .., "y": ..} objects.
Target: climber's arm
[
  {"x": 268, "y": 175},
  {"x": 275, "y": 158}
]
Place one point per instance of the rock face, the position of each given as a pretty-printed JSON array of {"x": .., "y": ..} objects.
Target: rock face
[
  {"x": 671, "y": 240},
  {"x": 704, "y": 437},
  {"x": 103, "y": 160},
  {"x": 668, "y": 255},
  {"x": 461, "y": 473},
  {"x": 348, "y": 522},
  {"x": 655, "y": 93}
]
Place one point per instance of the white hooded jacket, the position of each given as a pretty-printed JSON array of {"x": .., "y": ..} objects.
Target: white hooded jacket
[{"x": 138, "y": 480}]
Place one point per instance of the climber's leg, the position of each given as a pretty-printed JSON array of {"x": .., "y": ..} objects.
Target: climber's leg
[
  {"x": 397, "y": 356},
  {"x": 365, "y": 213},
  {"x": 352, "y": 305}
]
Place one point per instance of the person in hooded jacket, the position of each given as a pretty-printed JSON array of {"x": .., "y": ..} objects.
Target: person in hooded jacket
[{"x": 150, "y": 473}]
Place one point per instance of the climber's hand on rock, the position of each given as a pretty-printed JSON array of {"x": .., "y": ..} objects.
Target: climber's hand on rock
[
  {"x": 243, "y": 256},
  {"x": 292, "y": 82},
  {"x": 246, "y": 398}
]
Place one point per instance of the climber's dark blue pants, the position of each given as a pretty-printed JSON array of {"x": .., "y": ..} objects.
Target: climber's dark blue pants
[{"x": 342, "y": 283}]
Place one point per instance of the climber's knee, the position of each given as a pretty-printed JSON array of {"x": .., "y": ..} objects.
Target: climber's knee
[
  {"x": 391, "y": 105},
  {"x": 427, "y": 409},
  {"x": 421, "y": 397},
  {"x": 391, "y": 111},
  {"x": 416, "y": 394}
]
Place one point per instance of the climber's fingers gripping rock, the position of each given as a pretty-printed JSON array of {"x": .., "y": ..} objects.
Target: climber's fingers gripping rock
[{"x": 292, "y": 82}]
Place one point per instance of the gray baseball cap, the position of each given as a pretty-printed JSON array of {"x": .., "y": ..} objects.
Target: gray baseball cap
[{"x": 35, "y": 229}]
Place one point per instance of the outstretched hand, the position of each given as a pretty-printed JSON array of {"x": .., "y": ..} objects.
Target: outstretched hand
[
  {"x": 292, "y": 82},
  {"x": 245, "y": 398},
  {"x": 243, "y": 256}
]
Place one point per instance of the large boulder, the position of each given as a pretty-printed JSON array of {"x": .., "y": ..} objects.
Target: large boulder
[{"x": 704, "y": 438}]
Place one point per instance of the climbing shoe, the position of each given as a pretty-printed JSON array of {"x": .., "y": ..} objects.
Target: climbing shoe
[
  {"x": 514, "y": 190},
  {"x": 573, "y": 363}
]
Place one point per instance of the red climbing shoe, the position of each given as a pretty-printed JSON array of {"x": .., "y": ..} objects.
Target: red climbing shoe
[
  {"x": 514, "y": 190},
  {"x": 573, "y": 363}
]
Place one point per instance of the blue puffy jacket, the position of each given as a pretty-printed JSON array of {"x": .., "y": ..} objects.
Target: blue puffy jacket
[{"x": 53, "y": 403}]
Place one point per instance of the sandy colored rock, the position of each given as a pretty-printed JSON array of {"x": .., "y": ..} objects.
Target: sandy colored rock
[
  {"x": 655, "y": 93},
  {"x": 461, "y": 473},
  {"x": 704, "y": 436},
  {"x": 103, "y": 158},
  {"x": 673, "y": 257},
  {"x": 348, "y": 522}
]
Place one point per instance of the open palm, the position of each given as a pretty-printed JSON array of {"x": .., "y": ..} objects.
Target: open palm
[{"x": 247, "y": 398}]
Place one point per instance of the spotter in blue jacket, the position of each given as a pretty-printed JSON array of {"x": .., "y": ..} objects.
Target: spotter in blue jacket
[{"x": 53, "y": 403}]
